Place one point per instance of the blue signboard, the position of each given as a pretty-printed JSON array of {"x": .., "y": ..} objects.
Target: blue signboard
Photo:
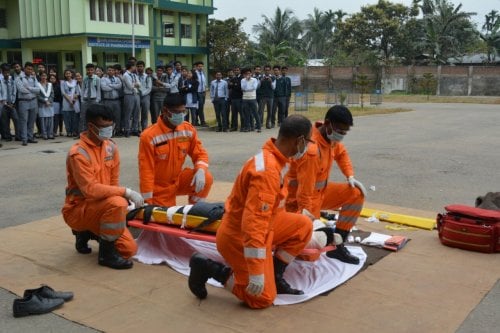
[{"x": 117, "y": 43}]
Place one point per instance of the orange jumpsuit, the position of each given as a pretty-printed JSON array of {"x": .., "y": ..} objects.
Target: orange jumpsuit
[
  {"x": 162, "y": 152},
  {"x": 94, "y": 199},
  {"x": 308, "y": 185},
  {"x": 255, "y": 222}
]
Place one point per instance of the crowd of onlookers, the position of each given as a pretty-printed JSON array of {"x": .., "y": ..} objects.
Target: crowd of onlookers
[{"x": 33, "y": 99}]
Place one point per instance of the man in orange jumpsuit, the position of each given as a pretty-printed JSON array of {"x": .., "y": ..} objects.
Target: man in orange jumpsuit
[
  {"x": 308, "y": 187},
  {"x": 255, "y": 222},
  {"x": 95, "y": 204},
  {"x": 163, "y": 149}
]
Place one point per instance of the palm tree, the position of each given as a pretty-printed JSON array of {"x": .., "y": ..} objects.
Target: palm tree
[
  {"x": 443, "y": 22},
  {"x": 283, "y": 27},
  {"x": 492, "y": 35},
  {"x": 273, "y": 54},
  {"x": 315, "y": 34}
]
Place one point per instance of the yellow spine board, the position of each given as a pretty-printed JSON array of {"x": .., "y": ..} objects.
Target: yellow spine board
[
  {"x": 160, "y": 216},
  {"x": 419, "y": 222}
]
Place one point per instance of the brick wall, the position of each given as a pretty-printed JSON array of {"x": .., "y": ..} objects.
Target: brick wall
[{"x": 449, "y": 80}]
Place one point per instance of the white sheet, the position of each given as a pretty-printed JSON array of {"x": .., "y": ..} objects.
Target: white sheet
[{"x": 313, "y": 278}]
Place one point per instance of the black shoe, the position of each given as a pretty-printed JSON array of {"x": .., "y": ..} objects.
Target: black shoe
[
  {"x": 48, "y": 292},
  {"x": 109, "y": 256},
  {"x": 204, "y": 125},
  {"x": 35, "y": 304},
  {"x": 233, "y": 130},
  {"x": 25, "y": 143},
  {"x": 342, "y": 253},
  {"x": 202, "y": 269},
  {"x": 32, "y": 141},
  {"x": 127, "y": 134},
  {"x": 282, "y": 287},
  {"x": 18, "y": 139},
  {"x": 219, "y": 130},
  {"x": 82, "y": 238}
]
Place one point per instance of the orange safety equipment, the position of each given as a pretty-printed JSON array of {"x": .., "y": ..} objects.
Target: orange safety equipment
[
  {"x": 308, "y": 186},
  {"x": 162, "y": 152},
  {"x": 94, "y": 200},
  {"x": 255, "y": 222}
]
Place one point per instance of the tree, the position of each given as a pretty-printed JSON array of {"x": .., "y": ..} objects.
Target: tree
[
  {"x": 378, "y": 28},
  {"x": 448, "y": 30},
  {"x": 319, "y": 32},
  {"x": 491, "y": 37},
  {"x": 362, "y": 82},
  {"x": 283, "y": 27},
  {"x": 227, "y": 43}
]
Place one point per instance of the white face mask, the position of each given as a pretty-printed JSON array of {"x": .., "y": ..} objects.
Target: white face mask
[
  {"x": 335, "y": 136},
  {"x": 104, "y": 133},
  {"x": 299, "y": 153}
]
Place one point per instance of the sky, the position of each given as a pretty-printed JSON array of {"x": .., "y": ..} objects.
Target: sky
[{"x": 253, "y": 10}]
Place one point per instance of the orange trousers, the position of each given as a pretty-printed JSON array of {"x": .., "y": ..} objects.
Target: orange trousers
[
  {"x": 166, "y": 195},
  {"x": 105, "y": 218},
  {"x": 335, "y": 195},
  {"x": 291, "y": 234}
]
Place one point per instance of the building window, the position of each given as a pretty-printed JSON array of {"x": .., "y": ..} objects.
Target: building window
[
  {"x": 112, "y": 57},
  {"x": 141, "y": 14},
  {"x": 126, "y": 17},
  {"x": 186, "y": 31},
  {"x": 109, "y": 9},
  {"x": 69, "y": 57},
  {"x": 169, "y": 30},
  {"x": 101, "y": 10},
  {"x": 14, "y": 56},
  {"x": 93, "y": 15},
  {"x": 3, "y": 18},
  {"x": 118, "y": 12}
]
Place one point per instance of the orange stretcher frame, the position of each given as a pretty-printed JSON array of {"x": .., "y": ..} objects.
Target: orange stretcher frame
[{"x": 170, "y": 229}]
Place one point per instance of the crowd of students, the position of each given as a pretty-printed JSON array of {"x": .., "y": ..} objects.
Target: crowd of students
[{"x": 32, "y": 97}]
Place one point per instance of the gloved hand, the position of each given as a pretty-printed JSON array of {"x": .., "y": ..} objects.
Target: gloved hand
[
  {"x": 308, "y": 214},
  {"x": 135, "y": 197},
  {"x": 353, "y": 182},
  {"x": 255, "y": 285},
  {"x": 198, "y": 180}
]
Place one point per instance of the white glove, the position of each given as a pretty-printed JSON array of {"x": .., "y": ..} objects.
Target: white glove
[
  {"x": 135, "y": 197},
  {"x": 255, "y": 285},
  {"x": 198, "y": 180},
  {"x": 308, "y": 214},
  {"x": 356, "y": 183}
]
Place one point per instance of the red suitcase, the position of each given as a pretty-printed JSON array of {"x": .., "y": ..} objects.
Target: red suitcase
[{"x": 470, "y": 228}]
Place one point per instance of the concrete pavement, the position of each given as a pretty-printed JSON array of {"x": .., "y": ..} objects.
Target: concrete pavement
[{"x": 424, "y": 159}]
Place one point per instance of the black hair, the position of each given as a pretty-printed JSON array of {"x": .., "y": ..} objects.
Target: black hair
[
  {"x": 96, "y": 111},
  {"x": 160, "y": 67},
  {"x": 140, "y": 62},
  {"x": 177, "y": 62},
  {"x": 295, "y": 126},
  {"x": 129, "y": 65},
  {"x": 246, "y": 70},
  {"x": 117, "y": 67},
  {"x": 169, "y": 66},
  {"x": 277, "y": 66},
  {"x": 5, "y": 67},
  {"x": 28, "y": 64},
  {"x": 173, "y": 100},
  {"x": 339, "y": 114},
  {"x": 198, "y": 63},
  {"x": 284, "y": 67},
  {"x": 90, "y": 65}
]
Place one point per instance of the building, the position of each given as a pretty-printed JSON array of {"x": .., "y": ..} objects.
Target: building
[{"x": 71, "y": 33}]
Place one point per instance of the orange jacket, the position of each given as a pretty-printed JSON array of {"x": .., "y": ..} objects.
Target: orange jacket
[
  {"x": 93, "y": 171},
  {"x": 257, "y": 195},
  {"x": 162, "y": 152},
  {"x": 309, "y": 175}
]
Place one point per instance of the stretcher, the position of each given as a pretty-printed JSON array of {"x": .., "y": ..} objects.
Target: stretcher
[{"x": 166, "y": 220}]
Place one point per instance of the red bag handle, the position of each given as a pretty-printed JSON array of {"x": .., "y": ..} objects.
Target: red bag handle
[{"x": 480, "y": 213}]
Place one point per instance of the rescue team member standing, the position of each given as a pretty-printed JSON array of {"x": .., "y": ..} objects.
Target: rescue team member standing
[
  {"x": 95, "y": 203},
  {"x": 255, "y": 222},
  {"x": 163, "y": 148},
  {"x": 308, "y": 186}
]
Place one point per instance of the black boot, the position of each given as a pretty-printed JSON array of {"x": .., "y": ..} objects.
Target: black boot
[
  {"x": 202, "y": 269},
  {"x": 109, "y": 256},
  {"x": 341, "y": 252},
  {"x": 82, "y": 238},
  {"x": 282, "y": 287}
]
